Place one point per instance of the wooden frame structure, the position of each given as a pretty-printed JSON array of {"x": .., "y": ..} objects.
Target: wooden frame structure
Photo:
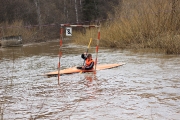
[{"x": 61, "y": 42}]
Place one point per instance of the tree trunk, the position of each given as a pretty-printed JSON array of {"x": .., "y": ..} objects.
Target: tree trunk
[
  {"x": 80, "y": 2},
  {"x": 64, "y": 10},
  {"x": 38, "y": 13},
  {"x": 76, "y": 11}
]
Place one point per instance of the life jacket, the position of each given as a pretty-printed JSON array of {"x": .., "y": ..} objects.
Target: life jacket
[{"x": 88, "y": 62}]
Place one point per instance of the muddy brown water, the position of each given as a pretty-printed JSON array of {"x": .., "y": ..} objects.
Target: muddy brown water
[{"x": 147, "y": 87}]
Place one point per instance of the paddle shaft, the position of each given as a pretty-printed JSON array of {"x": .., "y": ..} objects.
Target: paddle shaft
[{"x": 88, "y": 49}]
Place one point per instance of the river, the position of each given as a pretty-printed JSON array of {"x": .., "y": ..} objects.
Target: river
[{"x": 147, "y": 87}]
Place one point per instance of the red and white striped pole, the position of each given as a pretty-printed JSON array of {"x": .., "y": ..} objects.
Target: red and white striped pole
[
  {"x": 97, "y": 47},
  {"x": 60, "y": 53}
]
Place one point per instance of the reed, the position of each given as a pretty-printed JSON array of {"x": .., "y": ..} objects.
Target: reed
[
  {"x": 147, "y": 24},
  {"x": 29, "y": 34},
  {"x": 17, "y": 28},
  {"x": 82, "y": 38}
]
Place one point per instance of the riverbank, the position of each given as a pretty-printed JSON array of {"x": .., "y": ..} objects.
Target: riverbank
[
  {"x": 167, "y": 44},
  {"x": 30, "y": 34},
  {"x": 140, "y": 25}
]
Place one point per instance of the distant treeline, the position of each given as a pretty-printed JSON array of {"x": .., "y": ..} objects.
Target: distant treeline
[
  {"x": 33, "y": 12},
  {"x": 20, "y": 13}
]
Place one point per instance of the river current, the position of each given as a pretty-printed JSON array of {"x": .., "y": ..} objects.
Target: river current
[{"x": 147, "y": 87}]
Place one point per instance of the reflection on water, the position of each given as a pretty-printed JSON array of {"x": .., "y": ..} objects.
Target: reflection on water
[{"x": 147, "y": 87}]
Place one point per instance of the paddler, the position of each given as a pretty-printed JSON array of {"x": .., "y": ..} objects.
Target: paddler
[{"x": 89, "y": 63}]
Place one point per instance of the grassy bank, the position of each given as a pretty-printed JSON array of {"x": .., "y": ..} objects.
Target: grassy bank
[
  {"x": 29, "y": 34},
  {"x": 141, "y": 24}
]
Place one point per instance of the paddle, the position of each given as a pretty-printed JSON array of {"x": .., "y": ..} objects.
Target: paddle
[{"x": 88, "y": 48}]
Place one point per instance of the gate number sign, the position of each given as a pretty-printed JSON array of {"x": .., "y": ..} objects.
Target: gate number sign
[{"x": 68, "y": 31}]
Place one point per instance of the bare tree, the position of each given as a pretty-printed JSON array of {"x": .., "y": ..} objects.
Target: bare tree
[
  {"x": 38, "y": 12},
  {"x": 76, "y": 11}
]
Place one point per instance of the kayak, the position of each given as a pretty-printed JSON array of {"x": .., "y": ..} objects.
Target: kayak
[{"x": 75, "y": 70}]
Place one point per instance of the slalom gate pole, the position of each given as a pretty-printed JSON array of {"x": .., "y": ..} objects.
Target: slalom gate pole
[
  {"x": 60, "y": 53},
  {"x": 97, "y": 47}
]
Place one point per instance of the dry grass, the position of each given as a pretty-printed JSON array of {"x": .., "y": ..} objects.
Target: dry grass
[
  {"x": 84, "y": 38},
  {"x": 142, "y": 24},
  {"x": 29, "y": 34},
  {"x": 17, "y": 28}
]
